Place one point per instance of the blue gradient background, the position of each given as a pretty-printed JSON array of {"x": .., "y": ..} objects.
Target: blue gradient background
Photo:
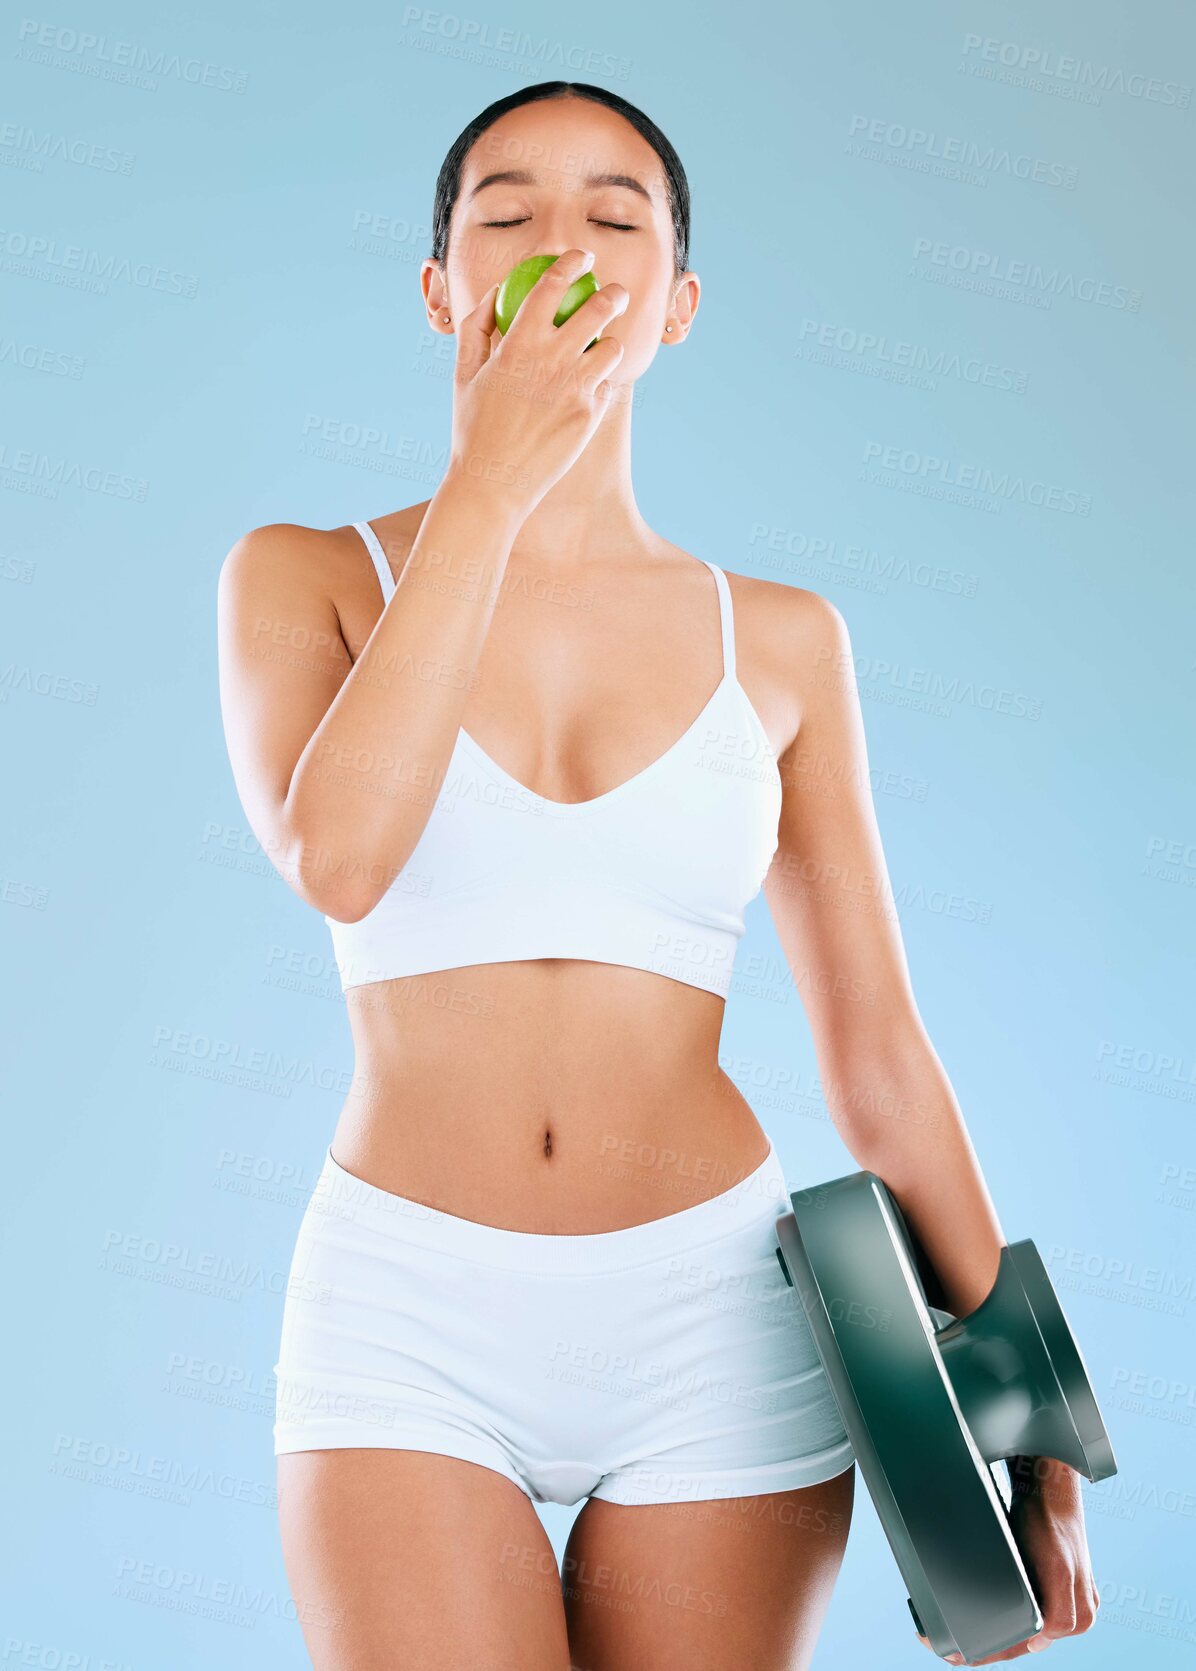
[{"x": 172, "y": 1007}]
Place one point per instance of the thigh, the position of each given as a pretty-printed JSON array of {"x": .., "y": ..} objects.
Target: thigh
[
  {"x": 408, "y": 1558},
  {"x": 722, "y": 1584}
]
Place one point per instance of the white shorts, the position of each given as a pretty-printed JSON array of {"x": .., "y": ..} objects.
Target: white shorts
[{"x": 666, "y": 1362}]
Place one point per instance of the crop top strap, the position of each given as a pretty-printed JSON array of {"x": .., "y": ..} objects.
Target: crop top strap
[
  {"x": 726, "y": 614},
  {"x": 726, "y": 617},
  {"x": 373, "y": 545}
]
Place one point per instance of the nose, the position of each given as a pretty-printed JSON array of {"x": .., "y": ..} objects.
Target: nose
[{"x": 547, "y": 246}]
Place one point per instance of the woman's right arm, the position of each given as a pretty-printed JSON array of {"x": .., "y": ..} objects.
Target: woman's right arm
[
  {"x": 338, "y": 763},
  {"x": 338, "y": 766}
]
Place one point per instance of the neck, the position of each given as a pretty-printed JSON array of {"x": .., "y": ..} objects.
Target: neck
[{"x": 590, "y": 512}]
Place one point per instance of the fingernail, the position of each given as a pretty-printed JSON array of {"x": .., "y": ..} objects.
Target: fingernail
[{"x": 1037, "y": 1646}]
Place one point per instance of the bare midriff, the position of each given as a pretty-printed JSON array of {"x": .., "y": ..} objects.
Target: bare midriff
[{"x": 554, "y": 1095}]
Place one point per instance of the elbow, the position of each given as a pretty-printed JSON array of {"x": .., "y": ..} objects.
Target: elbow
[
  {"x": 344, "y": 893},
  {"x": 339, "y": 880},
  {"x": 881, "y": 1077},
  {"x": 344, "y": 910},
  {"x": 322, "y": 880},
  {"x": 333, "y": 895},
  {"x": 320, "y": 870}
]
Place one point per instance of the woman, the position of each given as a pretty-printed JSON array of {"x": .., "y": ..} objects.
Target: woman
[{"x": 539, "y": 1264}]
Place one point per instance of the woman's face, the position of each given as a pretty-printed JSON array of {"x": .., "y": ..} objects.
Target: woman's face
[{"x": 561, "y": 174}]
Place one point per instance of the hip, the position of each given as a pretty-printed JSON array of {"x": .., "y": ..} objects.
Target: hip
[{"x": 667, "y": 1360}]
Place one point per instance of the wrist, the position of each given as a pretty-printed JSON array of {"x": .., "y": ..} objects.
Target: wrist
[
  {"x": 1042, "y": 1479},
  {"x": 490, "y": 482}
]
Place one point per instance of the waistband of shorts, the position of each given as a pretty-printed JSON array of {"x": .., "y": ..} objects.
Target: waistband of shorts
[{"x": 759, "y": 1197}]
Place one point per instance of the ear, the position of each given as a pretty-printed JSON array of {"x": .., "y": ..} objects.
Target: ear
[
  {"x": 686, "y": 294},
  {"x": 432, "y": 283}
]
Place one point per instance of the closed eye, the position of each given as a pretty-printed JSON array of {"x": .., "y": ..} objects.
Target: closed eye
[{"x": 617, "y": 226}]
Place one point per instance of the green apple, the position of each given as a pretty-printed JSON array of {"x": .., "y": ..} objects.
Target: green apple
[{"x": 518, "y": 282}]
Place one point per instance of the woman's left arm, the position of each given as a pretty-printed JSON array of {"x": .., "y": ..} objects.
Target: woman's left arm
[{"x": 887, "y": 1092}]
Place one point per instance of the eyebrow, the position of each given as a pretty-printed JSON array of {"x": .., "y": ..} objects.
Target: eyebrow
[{"x": 525, "y": 177}]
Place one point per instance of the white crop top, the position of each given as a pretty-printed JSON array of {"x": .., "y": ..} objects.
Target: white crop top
[{"x": 654, "y": 874}]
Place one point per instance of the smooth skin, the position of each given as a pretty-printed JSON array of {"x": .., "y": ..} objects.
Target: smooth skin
[
  {"x": 537, "y": 608},
  {"x": 403, "y": 1558}
]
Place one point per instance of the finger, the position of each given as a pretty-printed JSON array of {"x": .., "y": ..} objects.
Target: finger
[
  {"x": 594, "y": 314},
  {"x": 539, "y": 307},
  {"x": 473, "y": 337},
  {"x": 597, "y": 366},
  {"x": 1085, "y": 1603},
  {"x": 1058, "y": 1609}
]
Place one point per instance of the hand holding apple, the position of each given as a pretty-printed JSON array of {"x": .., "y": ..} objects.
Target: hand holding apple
[
  {"x": 524, "y": 410},
  {"x": 520, "y": 280}
]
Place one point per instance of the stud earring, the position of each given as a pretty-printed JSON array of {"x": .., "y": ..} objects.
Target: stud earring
[
  {"x": 446, "y": 318},
  {"x": 668, "y": 327}
]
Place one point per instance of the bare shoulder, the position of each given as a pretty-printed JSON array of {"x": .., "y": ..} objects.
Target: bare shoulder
[
  {"x": 787, "y": 630},
  {"x": 325, "y": 572},
  {"x": 786, "y": 638},
  {"x": 296, "y": 547},
  {"x": 283, "y": 551}
]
